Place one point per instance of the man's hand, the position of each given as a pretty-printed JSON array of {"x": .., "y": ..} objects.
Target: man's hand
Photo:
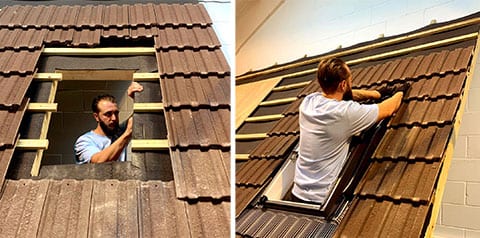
[
  {"x": 386, "y": 91},
  {"x": 134, "y": 88},
  {"x": 128, "y": 131}
]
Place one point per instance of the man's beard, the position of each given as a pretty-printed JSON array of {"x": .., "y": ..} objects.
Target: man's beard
[
  {"x": 107, "y": 130},
  {"x": 348, "y": 95}
]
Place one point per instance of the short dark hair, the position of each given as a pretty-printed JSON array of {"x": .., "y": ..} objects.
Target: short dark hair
[
  {"x": 331, "y": 71},
  {"x": 99, "y": 98}
]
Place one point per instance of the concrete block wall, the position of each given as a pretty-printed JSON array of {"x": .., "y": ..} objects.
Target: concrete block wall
[
  {"x": 460, "y": 210},
  {"x": 74, "y": 115},
  {"x": 311, "y": 27}
]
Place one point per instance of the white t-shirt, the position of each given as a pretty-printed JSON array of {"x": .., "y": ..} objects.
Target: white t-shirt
[
  {"x": 326, "y": 128},
  {"x": 91, "y": 143}
]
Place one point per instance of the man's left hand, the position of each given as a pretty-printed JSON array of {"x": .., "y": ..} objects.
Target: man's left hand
[{"x": 134, "y": 88}]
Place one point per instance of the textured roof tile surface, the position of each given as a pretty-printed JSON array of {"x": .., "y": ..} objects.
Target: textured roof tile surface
[
  {"x": 190, "y": 178},
  {"x": 12, "y": 99},
  {"x": 192, "y": 63},
  {"x": 109, "y": 208},
  {"x": 199, "y": 129},
  {"x": 9, "y": 125},
  {"x": 195, "y": 92}
]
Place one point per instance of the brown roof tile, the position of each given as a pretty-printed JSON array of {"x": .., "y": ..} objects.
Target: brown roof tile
[
  {"x": 14, "y": 89},
  {"x": 64, "y": 17},
  {"x": 198, "y": 129},
  {"x": 5, "y": 158},
  {"x": 437, "y": 112},
  {"x": 243, "y": 196},
  {"x": 312, "y": 87},
  {"x": 292, "y": 109},
  {"x": 115, "y": 16},
  {"x": 190, "y": 63},
  {"x": 181, "y": 15},
  {"x": 141, "y": 15},
  {"x": 21, "y": 39},
  {"x": 286, "y": 125},
  {"x": 211, "y": 92},
  {"x": 90, "y": 16},
  {"x": 86, "y": 38},
  {"x": 400, "y": 180},
  {"x": 369, "y": 218},
  {"x": 448, "y": 85},
  {"x": 143, "y": 32},
  {"x": 125, "y": 208},
  {"x": 119, "y": 32},
  {"x": 59, "y": 36},
  {"x": 186, "y": 38},
  {"x": 274, "y": 147},
  {"x": 414, "y": 143},
  {"x": 191, "y": 179},
  {"x": 432, "y": 64},
  {"x": 18, "y": 62},
  {"x": 10, "y": 123},
  {"x": 256, "y": 171}
]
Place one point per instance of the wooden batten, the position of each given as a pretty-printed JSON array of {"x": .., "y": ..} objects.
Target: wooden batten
[
  {"x": 47, "y": 76},
  {"x": 148, "y": 107},
  {"x": 264, "y": 118},
  {"x": 112, "y": 51},
  {"x": 278, "y": 101},
  {"x": 32, "y": 144},
  {"x": 149, "y": 144},
  {"x": 141, "y": 77},
  {"x": 240, "y": 157},
  {"x": 255, "y": 136},
  {"x": 42, "y": 107}
]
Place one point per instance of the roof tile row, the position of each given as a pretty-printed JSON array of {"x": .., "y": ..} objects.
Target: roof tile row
[
  {"x": 12, "y": 99},
  {"x": 18, "y": 62},
  {"x": 10, "y": 123},
  {"x": 125, "y": 208},
  {"x": 198, "y": 129},
  {"x": 286, "y": 126},
  {"x": 192, "y": 182},
  {"x": 416, "y": 143},
  {"x": 436, "y": 63},
  {"x": 393, "y": 180},
  {"x": 103, "y": 16},
  {"x": 371, "y": 218},
  {"x": 256, "y": 171},
  {"x": 192, "y": 63},
  {"x": 196, "y": 92},
  {"x": 436, "y": 112},
  {"x": 243, "y": 196},
  {"x": 274, "y": 147}
]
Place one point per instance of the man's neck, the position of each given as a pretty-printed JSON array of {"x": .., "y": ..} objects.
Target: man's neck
[
  {"x": 99, "y": 131},
  {"x": 336, "y": 95}
]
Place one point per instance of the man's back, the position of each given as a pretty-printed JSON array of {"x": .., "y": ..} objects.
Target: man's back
[{"x": 326, "y": 127}]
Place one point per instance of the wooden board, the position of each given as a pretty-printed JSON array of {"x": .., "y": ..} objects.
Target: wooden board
[{"x": 248, "y": 96}]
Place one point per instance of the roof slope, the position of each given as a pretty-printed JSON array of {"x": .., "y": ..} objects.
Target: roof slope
[
  {"x": 194, "y": 79},
  {"x": 401, "y": 179}
]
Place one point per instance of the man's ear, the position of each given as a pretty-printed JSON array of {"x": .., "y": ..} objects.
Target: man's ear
[
  {"x": 95, "y": 115},
  {"x": 342, "y": 86}
]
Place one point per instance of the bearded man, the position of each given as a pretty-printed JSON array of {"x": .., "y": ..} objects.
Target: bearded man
[{"x": 109, "y": 140}]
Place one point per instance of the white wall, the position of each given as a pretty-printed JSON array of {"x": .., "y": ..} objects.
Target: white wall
[
  {"x": 221, "y": 14},
  {"x": 311, "y": 27}
]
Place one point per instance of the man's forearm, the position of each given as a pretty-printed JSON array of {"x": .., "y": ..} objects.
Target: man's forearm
[
  {"x": 361, "y": 94},
  {"x": 112, "y": 152}
]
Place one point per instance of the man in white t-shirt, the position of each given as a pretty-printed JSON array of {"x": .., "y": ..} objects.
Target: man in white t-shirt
[
  {"x": 108, "y": 141},
  {"x": 328, "y": 120}
]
